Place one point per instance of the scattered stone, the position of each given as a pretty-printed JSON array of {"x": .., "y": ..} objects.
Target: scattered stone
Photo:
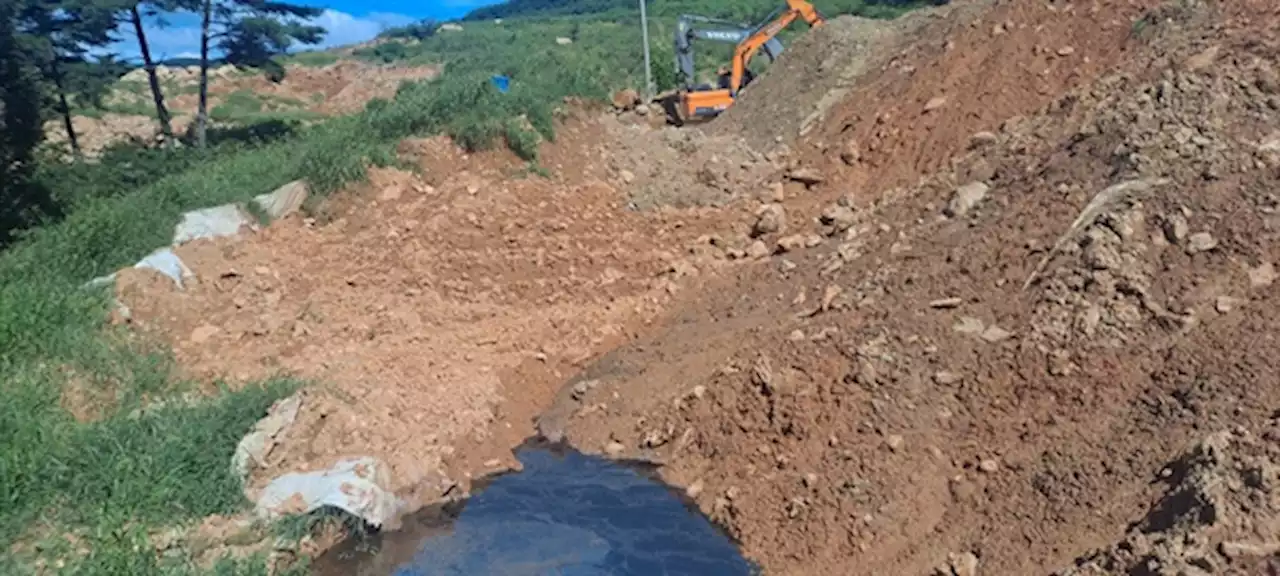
[
  {"x": 791, "y": 243},
  {"x": 390, "y": 194},
  {"x": 945, "y": 303},
  {"x": 626, "y": 99},
  {"x": 699, "y": 391},
  {"x": 829, "y": 295},
  {"x": 1202, "y": 60},
  {"x": 614, "y": 449},
  {"x": 969, "y": 325},
  {"x": 989, "y": 465},
  {"x": 694, "y": 490},
  {"x": 810, "y": 480},
  {"x": 581, "y": 388},
  {"x": 894, "y": 442},
  {"x": 770, "y": 219},
  {"x": 850, "y": 154},
  {"x": 1226, "y": 304},
  {"x": 965, "y": 564},
  {"x": 812, "y": 240},
  {"x": 995, "y": 334},
  {"x": 946, "y": 378},
  {"x": 839, "y": 217},
  {"x": 1262, "y": 276},
  {"x": 775, "y": 192},
  {"x": 935, "y": 103},
  {"x": 626, "y": 176},
  {"x": 1066, "y": 51},
  {"x": 204, "y": 333},
  {"x": 642, "y": 110},
  {"x": 1201, "y": 242},
  {"x": 757, "y": 250},
  {"x": 983, "y": 139},
  {"x": 966, "y": 198},
  {"x": 1176, "y": 228},
  {"x": 807, "y": 176},
  {"x": 796, "y": 335}
]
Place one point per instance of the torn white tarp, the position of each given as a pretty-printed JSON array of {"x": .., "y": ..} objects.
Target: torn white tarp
[
  {"x": 166, "y": 262},
  {"x": 284, "y": 201},
  {"x": 354, "y": 486},
  {"x": 225, "y": 220}
]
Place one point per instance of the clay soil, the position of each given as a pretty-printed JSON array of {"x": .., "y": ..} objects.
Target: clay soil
[{"x": 1007, "y": 308}]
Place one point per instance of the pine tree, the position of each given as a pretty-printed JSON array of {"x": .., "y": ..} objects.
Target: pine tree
[{"x": 250, "y": 33}]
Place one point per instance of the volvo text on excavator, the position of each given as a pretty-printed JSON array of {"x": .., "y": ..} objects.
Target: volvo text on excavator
[{"x": 704, "y": 101}]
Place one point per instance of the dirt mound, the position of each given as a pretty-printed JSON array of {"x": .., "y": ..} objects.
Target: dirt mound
[
  {"x": 1220, "y": 515},
  {"x": 987, "y": 366},
  {"x": 811, "y": 75}
]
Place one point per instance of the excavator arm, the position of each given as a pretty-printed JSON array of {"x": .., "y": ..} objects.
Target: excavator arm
[
  {"x": 747, "y": 49},
  {"x": 693, "y": 102},
  {"x": 691, "y": 27}
]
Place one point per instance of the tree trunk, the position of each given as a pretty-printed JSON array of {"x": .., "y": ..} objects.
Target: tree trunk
[
  {"x": 202, "y": 113},
  {"x": 63, "y": 107},
  {"x": 162, "y": 113}
]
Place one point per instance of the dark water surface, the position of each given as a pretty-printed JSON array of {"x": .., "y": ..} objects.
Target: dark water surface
[{"x": 565, "y": 514}]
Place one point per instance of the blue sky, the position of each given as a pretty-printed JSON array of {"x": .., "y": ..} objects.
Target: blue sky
[{"x": 348, "y": 22}]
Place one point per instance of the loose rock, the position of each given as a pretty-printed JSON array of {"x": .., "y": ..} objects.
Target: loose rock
[
  {"x": 771, "y": 218},
  {"x": 966, "y": 198},
  {"x": 791, "y": 243},
  {"x": 807, "y": 176},
  {"x": 757, "y": 250},
  {"x": 850, "y": 154},
  {"x": 1201, "y": 242},
  {"x": 1262, "y": 276},
  {"x": 839, "y": 217}
]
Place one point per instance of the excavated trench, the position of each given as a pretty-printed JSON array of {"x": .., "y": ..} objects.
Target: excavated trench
[{"x": 564, "y": 512}]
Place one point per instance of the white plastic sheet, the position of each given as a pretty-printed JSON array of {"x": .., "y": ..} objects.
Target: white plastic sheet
[
  {"x": 284, "y": 201},
  {"x": 216, "y": 222},
  {"x": 350, "y": 485},
  {"x": 166, "y": 262}
]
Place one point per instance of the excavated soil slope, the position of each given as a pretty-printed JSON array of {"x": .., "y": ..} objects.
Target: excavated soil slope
[{"x": 1000, "y": 367}]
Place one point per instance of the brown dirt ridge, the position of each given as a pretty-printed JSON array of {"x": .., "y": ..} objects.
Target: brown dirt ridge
[{"x": 992, "y": 297}]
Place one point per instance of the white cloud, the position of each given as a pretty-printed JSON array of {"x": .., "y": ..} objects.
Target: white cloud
[{"x": 181, "y": 38}]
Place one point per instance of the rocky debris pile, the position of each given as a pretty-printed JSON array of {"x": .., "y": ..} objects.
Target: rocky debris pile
[
  {"x": 1194, "y": 130},
  {"x": 1220, "y": 514},
  {"x": 814, "y": 73},
  {"x": 680, "y": 167}
]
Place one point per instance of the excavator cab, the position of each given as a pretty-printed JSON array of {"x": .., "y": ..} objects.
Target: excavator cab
[{"x": 704, "y": 102}]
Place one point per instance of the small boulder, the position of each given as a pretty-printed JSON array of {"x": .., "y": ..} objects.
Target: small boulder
[
  {"x": 770, "y": 219},
  {"x": 1201, "y": 242},
  {"x": 965, "y": 198},
  {"x": 791, "y": 243},
  {"x": 807, "y": 176},
  {"x": 849, "y": 153},
  {"x": 626, "y": 99},
  {"x": 983, "y": 139},
  {"x": 839, "y": 217}
]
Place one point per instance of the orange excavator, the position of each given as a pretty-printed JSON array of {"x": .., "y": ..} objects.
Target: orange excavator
[{"x": 695, "y": 101}]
